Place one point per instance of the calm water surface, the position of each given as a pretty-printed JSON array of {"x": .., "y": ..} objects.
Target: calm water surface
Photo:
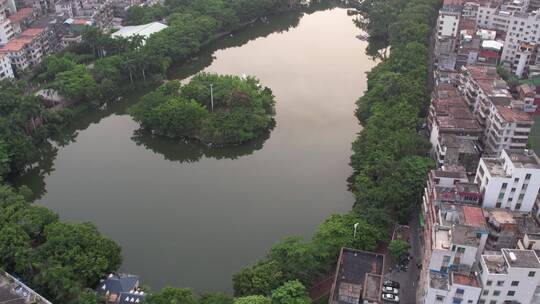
[{"x": 187, "y": 216}]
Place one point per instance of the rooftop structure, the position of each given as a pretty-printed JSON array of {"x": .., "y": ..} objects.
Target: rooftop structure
[
  {"x": 144, "y": 30},
  {"x": 358, "y": 277},
  {"x": 12, "y": 291}
]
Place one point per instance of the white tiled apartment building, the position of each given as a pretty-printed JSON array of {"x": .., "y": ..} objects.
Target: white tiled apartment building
[
  {"x": 509, "y": 276},
  {"x": 510, "y": 181}
]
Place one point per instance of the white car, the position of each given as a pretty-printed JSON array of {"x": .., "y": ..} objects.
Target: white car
[
  {"x": 388, "y": 289},
  {"x": 390, "y": 297}
]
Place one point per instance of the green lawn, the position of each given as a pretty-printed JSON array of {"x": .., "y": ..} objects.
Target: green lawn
[{"x": 534, "y": 137}]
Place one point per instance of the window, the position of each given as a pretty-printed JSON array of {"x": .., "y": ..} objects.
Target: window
[
  {"x": 515, "y": 283},
  {"x": 527, "y": 177},
  {"x": 513, "y": 190},
  {"x": 489, "y": 282},
  {"x": 500, "y": 283},
  {"x": 516, "y": 180},
  {"x": 496, "y": 293},
  {"x": 518, "y": 206},
  {"x": 440, "y": 298},
  {"x": 493, "y": 302},
  {"x": 498, "y": 205},
  {"x": 501, "y": 195},
  {"x": 532, "y": 273},
  {"x": 485, "y": 292},
  {"x": 504, "y": 185},
  {"x": 511, "y": 293},
  {"x": 460, "y": 291}
]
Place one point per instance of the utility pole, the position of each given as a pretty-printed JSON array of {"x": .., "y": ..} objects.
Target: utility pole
[{"x": 212, "y": 96}]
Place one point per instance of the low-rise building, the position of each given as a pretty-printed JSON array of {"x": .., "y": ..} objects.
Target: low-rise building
[
  {"x": 116, "y": 288},
  {"x": 510, "y": 181},
  {"x": 27, "y": 49},
  {"x": 358, "y": 277},
  {"x": 507, "y": 127},
  {"x": 453, "y": 288},
  {"x": 13, "y": 291},
  {"x": 509, "y": 276}
]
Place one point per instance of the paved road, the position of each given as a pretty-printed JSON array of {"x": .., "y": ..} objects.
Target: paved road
[{"x": 409, "y": 279}]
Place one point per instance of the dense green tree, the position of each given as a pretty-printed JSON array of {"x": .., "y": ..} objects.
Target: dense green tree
[
  {"x": 77, "y": 84},
  {"x": 292, "y": 292},
  {"x": 169, "y": 295},
  {"x": 140, "y": 15},
  {"x": 398, "y": 249},
  {"x": 260, "y": 278},
  {"x": 242, "y": 110},
  {"x": 215, "y": 298},
  {"x": 252, "y": 300}
]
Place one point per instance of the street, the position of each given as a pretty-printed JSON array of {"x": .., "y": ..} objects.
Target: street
[{"x": 409, "y": 279}]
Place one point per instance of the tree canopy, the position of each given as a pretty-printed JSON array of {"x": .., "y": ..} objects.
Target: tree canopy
[{"x": 242, "y": 109}]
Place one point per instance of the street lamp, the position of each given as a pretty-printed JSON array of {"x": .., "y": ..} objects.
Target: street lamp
[
  {"x": 355, "y": 227},
  {"x": 212, "y": 96}
]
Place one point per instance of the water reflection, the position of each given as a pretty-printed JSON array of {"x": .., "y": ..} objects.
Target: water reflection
[{"x": 185, "y": 151}]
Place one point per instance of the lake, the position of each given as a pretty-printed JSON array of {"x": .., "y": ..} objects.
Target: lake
[{"x": 189, "y": 216}]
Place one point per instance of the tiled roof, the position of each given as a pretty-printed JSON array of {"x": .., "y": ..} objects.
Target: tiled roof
[
  {"x": 511, "y": 115},
  {"x": 21, "y": 15},
  {"x": 15, "y": 45}
]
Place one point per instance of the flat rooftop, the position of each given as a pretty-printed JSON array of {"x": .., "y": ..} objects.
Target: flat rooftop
[
  {"x": 455, "y": 214},
  {"x": 500, "y": 216},
  {"x": 495, "y": 263},
  {"x": 512, "y": 115},
  {"x": 438, "y": 280},
  {"x": 495, "y": 167},
  {"x": 521, "y": 258},
  {"x": 524, "y": 159},
  {"x": 463, "y": 144},
  {"x": 443, "y": 238},
  {"x": 465, "y": 235},
  {"x": 352, "y": 279},
  {"x": 14, "y": 292},
  {"x": 464, "y": 279},
  {"x": 449, "y": 174}
]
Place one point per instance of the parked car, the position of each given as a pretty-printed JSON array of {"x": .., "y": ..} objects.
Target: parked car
[
  {"x": 391, "y": 283},
  {"x": 387, "y": 289},
  {"x": 390, "y": 297}
]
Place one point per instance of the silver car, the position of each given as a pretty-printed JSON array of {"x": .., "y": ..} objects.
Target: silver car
[
  {"x": 388, "y": 289},
  {"x": 390, "y": 297}
]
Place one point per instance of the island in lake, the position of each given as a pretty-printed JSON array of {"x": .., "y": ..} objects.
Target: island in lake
[{"x": 216, "y": 109}]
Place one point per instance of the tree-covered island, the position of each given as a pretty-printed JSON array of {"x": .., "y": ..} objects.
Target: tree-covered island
[{"x": 215, "y": 109}]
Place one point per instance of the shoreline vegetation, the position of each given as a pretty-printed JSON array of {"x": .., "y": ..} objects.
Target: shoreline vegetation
[
  {"x": 218, "y": 110},
  {"x": 64, "y": 261}
]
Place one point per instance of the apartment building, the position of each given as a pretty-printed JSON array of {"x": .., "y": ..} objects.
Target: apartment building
[
  {"x": 450, "y": 115},
  {"x": 453, "y": 288},
  {"x": 5, "y": 68},
  {"x": 455, "y": 236},
  {"x": 509, "y": 181},
  {"x": 455, "y": 151},
  {"x": 480, "y": 85},
  {"x": 527, "y": 94},
  {"x": 509, "y": 276},
  {"x": 26, "y": 50},
  {"x": 7, "y": 7},
  {"x": 507, "y": 127},
  {"x": 98, "y": 13},
  {"x": 507, "y": 228}
]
